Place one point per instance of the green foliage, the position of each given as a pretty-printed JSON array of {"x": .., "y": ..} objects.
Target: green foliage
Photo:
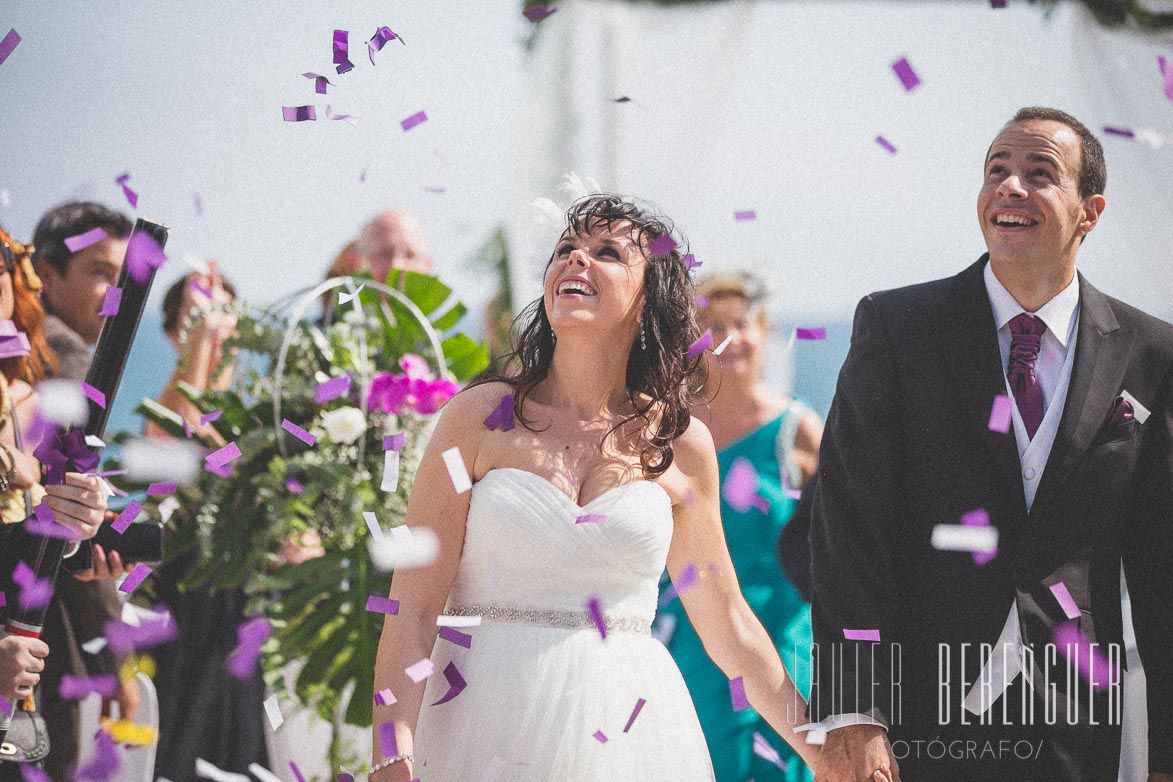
[{"x": 281, "y": 487}]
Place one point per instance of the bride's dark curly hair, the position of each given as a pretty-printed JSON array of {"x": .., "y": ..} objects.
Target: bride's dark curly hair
[{"x": 661, "y": 379}]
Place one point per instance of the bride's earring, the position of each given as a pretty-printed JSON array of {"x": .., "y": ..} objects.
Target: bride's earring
[
  {"x": 553, "y": 336},
  {"x": 643, "y": 337}
]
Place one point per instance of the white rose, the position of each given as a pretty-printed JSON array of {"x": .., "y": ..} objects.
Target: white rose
[{"x": 344, "y": 425}]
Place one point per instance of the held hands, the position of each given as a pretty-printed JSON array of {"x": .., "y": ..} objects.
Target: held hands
[
  {"x": 858, "y": 753},
  {"x": 78, "y": 503},
  {"x": 216, "y": 322},
  {"x": 21, "y": 663}
]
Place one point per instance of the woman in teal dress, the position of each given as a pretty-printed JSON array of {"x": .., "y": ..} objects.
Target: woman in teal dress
[{"x": 773, "y": 440}]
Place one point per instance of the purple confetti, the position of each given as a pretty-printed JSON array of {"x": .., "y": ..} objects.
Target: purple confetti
[
  {"x": 600, "y": 737},
  {"x": 14, "y": 345},
  {"x": 702, "y": 343},
  {"x": 382, "y": 605},
  {"x": 143, "y": 254},
  {"x": 883, "y": 142},
  {"x": 436, "y": 190},
  {"x": 1166, "y": 67},
  {"x": 591, "y": 518},
  {"x": 688, "y": 579},
  {"x": 1000, "y": 414},
  {"x": 861, "y": 635},
  {"x": 1066, "y": 601},
  {"x": 1124, "y": 132},
  {"x": 35, "y": 595},
  {"x": 344, "y": 777},
  {"x": 298, "y": 432},
  {"x": 131, "y": 196},
  {"x": 349, "y": 119},
  {"x": 502, "y": 415},
  {"x": 741, "y": 485},
  {"x": 186, "y": 427},
  {"x": 78, "y": 243},
  {"x": 164, "y": 487},
  {"x": 250, "y": 636},
  {"x": 332, "y": 389},
  {"x": 208, "y": 418},
  {"x": 341, "y": 51},
  {"x": 381, "y": 38},
  {"x": 200, "y": 289},
  {"x": 124, "y": 638},
  {"x": 624, "y": 99},
  {"x": 639, "y": 704},
  {"x": 452, "y": 635},
  {"x": 810, "y": 334},
  {"x": 8, "y": 44},
  {"x": 456, "y": 683},
  {"x": 745, "y": 214},
  {"x": 662, "y": 245},
  {"x": 199, "y": 204},
  {"x": 320, "y": 82},
  {"x": 225, "y": 471},
  {"x": 44, "y": 523},
  {"x": 1089, "y": 661},
  {"x": 127, "y": 517},
  {"x": 596, "y": 612},
  {"x": 294, "y": 486},
  {"x": 536, "y": 13},
  {"x": 413, "y": 120},
  {"x": 296, "y": 771},
  {"x": 997, "y": 3},
  {"x": 737, "y": 694},
  {"x": 136, "y": 577},
  {"x": 223, "y": 456},
  {"x": 104, "y": 764},
  {"x": 111, "y": 302},
  {"x": 905, "y": 73},
  {"x": 74, "y": 688},
  {"x": 393, "y": 442},
  {"x": 690, "y": 262},
  {"x": 385, "y": 697},
  {"x": 94, "y": 395},
  {"x": 763, "y": 749},
  {"x": 387, "y": 743},
  {"x": 299, "y": 113}
]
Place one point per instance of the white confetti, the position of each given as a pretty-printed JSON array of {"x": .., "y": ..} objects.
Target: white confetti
[
  {"x": 93, "y": 441},
  {"x": 406, "y": 548},
  {"x": 208, "y": 771},
  {"x": 168, "y": 507},
  {"x": 148, "y": 460},
  {"x": 391, "y": 471},
  {"x": 458, "y": 621},
  {"x": 62, "y": 402},
  {"x": 417, "y": 672},
  {"x": 373, "y": 525},
  {"x": 94, "y": 645},
  {"x": 273, "y": 712},
  {"x": 724, "y": 344},
  {"x": 961, "y": 537},
  {"x": 262, "y": 773},
  {"x": 1139, "y": 411},
  {"x": 456, "y": 470}
]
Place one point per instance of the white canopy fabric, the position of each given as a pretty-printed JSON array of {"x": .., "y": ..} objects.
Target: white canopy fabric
[{"x": 775, "y": 106}]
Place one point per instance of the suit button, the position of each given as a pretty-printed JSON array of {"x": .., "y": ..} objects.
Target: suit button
[{"x": 1029, "y": 473}]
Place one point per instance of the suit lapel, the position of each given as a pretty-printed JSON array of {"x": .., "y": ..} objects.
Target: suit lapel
[
  {"x": 977, "y": 369},
  {"x": 1102, "y": 354}
]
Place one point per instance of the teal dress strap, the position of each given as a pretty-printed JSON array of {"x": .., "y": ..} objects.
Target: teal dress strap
[{"x": 751, "y": 536}]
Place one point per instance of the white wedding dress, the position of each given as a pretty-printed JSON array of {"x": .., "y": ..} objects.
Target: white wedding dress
[{"x": 544, "y": 689}]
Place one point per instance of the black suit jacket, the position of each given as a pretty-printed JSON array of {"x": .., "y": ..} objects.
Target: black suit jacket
[{"x": 907, "y": 447}]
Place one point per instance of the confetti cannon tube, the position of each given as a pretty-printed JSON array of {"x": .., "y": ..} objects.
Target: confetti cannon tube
[{"x": 44, "y": 554}]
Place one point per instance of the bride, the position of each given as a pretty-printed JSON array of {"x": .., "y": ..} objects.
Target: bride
[{"x": 559, "y": 544}]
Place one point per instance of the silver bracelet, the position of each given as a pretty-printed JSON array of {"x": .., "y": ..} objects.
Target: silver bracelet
[{"x": 388, "y": 762}]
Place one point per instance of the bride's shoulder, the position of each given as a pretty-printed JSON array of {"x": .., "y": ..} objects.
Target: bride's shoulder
[
  {"x": 693, "y": 451},
  {"x": 480, "y": 399}
]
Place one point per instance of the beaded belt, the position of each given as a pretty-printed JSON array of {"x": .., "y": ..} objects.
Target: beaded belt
[{"x": 568, "y": 619}]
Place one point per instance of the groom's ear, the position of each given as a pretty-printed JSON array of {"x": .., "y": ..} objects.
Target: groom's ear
[{"x": 1093, "y": 207}]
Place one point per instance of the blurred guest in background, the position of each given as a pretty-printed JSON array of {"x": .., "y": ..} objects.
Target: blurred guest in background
[
  {"x": 204, "y": 299},
  {"x": 348, "y": 261},
  {"x": 203, "y": 711},
  {"x": 774, "y": 440},
  {"x": 394, "y": 239},
  {"x": 74, "y": 290}
]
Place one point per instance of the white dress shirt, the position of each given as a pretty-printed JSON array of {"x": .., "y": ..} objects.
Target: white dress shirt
[{"x": 1053, "y": 372}]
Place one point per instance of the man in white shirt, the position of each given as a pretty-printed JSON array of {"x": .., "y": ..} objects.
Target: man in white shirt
[{"x": 1032, "y": 416}]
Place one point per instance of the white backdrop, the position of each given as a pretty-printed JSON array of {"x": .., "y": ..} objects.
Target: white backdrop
[{"x": 774, "y": 106}]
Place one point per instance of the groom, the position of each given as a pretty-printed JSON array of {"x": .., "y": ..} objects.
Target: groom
[{"x": 937, "y": 650}]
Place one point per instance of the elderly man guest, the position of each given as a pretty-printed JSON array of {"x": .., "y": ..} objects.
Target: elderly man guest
[
  {"x": 394, "y": 239},
  {"x": 1079, "y": 483}
]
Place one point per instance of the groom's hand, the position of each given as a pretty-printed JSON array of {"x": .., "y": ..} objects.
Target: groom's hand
[{"x": 855, "y": 754}]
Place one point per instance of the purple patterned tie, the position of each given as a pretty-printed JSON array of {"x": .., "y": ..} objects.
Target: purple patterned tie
[{"x": 1026, "y": 336}]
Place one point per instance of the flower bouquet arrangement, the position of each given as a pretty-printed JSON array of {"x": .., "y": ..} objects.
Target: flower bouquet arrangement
[{"x": 321, "y": 434}]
